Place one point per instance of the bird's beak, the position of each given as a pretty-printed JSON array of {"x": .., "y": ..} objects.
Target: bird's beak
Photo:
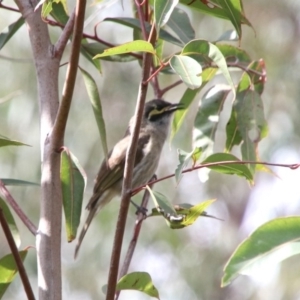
[{"x": 176, "y": 106}]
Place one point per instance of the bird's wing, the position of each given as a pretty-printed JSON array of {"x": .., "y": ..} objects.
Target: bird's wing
[{"x": 111, "y": 171}]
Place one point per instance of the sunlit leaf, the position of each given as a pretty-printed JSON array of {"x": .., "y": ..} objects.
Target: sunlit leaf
[
  {"x": 134, "y": 46},
  {"x": 73, "y": 181},
  {"x": 187, "y": 215},
  {"x": 8, "y": 270},
  {"x": 205, "y": 53},
  {"x": 188, "y": 69},
  {"x": 138, "y": 281},
  {"x": 218, "y": 164},
  {"x": 270, "y": 243}
]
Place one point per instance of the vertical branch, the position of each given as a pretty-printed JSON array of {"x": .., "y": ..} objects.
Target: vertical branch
[
  {"x": 129, "y": 163},
  {"x": 47, "y": 59}
]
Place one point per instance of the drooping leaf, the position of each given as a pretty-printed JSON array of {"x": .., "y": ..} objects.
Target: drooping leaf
[
  {"x": 138, "y": 281},
  {"x": 270, "y": 243},
  {"x": 73, "y": 181},
  {"x": 188, "y": 69},
  {"x": 11, "y": 222},
  {"x": 4, "y": 141},
  {"x": 8, "y": 32},
  {"x": 218, "y": 161},
  {"x": 207, "y": 118},
  {"x": 8, "y": 270},
  {"x": 250, "y": 119},
  {"x": 94, "y": 96},
  {"x": 162, "y": 12},
  {"x": 134, "y": 46},
  {"x": 180, "y": 23},
  {"x": 18, "y": 182}
]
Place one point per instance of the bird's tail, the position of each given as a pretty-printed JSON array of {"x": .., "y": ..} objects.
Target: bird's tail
[{"x": 84, "y": 229}]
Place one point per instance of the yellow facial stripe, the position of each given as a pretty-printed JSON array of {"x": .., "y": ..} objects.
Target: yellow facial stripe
[{"x": 156, "y": 111}]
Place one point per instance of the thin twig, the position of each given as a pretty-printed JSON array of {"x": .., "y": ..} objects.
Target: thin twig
[
  {"x": 64, "y": 37},
  {"x": 16, "y": 255},
  {"x": 9, "y": 8},
  {"x": 14, "y": 205},
  {"x": 169, "y": 87},
  {"x": 219, "y": 163},
  {"x": 64, "y": 108}
]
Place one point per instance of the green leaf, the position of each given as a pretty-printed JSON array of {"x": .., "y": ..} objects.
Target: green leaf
[
  {"x": 270, "y": 239},
  {"x": 134, "y": 46},
  {"x": 95, "y": 48},
  {"x": 238, "y": 169},
  {"x": 187, "y": 214},
  {"x": 162, "y": 12},
  {"x": 180, "y": 114},
  {"x": 86, "y": 52},
  {"x": 8, "y": 270},
  {"x": 4, "y": 141},
  {"x": 134, "y": 23},
  {"x": 250, "y": 119},
  {"x": 18, "y": 182},
  {"x": 94, "y": 96},
  {"x": 180, "y": 23},
  {"x": 8, "y": 32},
  {"x": 59, "y": 12},
  {"x": 234, "y": 56},
  {"x": 11, "y": 223},
  {"x": 233, "y": 135},
  {"x": 161, "y": 202},
  {"x": 203, "y": 51},
  {"x": 138, "y": 281},
  {"x": 231, "y": 10},
  {"x": 188, "y": 70},
  {"x": 207, "y": 118},
  {"x": 73, "y": 181},
  {"x": 184, "y": 158}
]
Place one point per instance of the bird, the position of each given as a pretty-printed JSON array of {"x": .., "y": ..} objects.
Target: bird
[{"x": 152, "y": 136}]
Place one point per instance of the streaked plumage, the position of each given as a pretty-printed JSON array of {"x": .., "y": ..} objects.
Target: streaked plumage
[{"x": 153, "y": 133}]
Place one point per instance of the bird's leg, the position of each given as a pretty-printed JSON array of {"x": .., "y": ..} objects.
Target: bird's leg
[{"x": 139, "y": 209}]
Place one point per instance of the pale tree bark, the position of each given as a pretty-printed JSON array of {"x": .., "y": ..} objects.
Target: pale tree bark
[{"x": 47, "y": 58}]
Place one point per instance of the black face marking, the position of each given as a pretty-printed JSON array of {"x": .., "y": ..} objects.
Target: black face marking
[{"x": 156, "y": 109}]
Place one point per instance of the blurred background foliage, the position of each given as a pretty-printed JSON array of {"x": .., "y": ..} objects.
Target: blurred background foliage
[{"x": 187, "y": 263}]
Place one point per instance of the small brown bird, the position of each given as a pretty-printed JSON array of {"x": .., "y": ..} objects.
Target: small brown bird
[{"x": 153, "y": 133}]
